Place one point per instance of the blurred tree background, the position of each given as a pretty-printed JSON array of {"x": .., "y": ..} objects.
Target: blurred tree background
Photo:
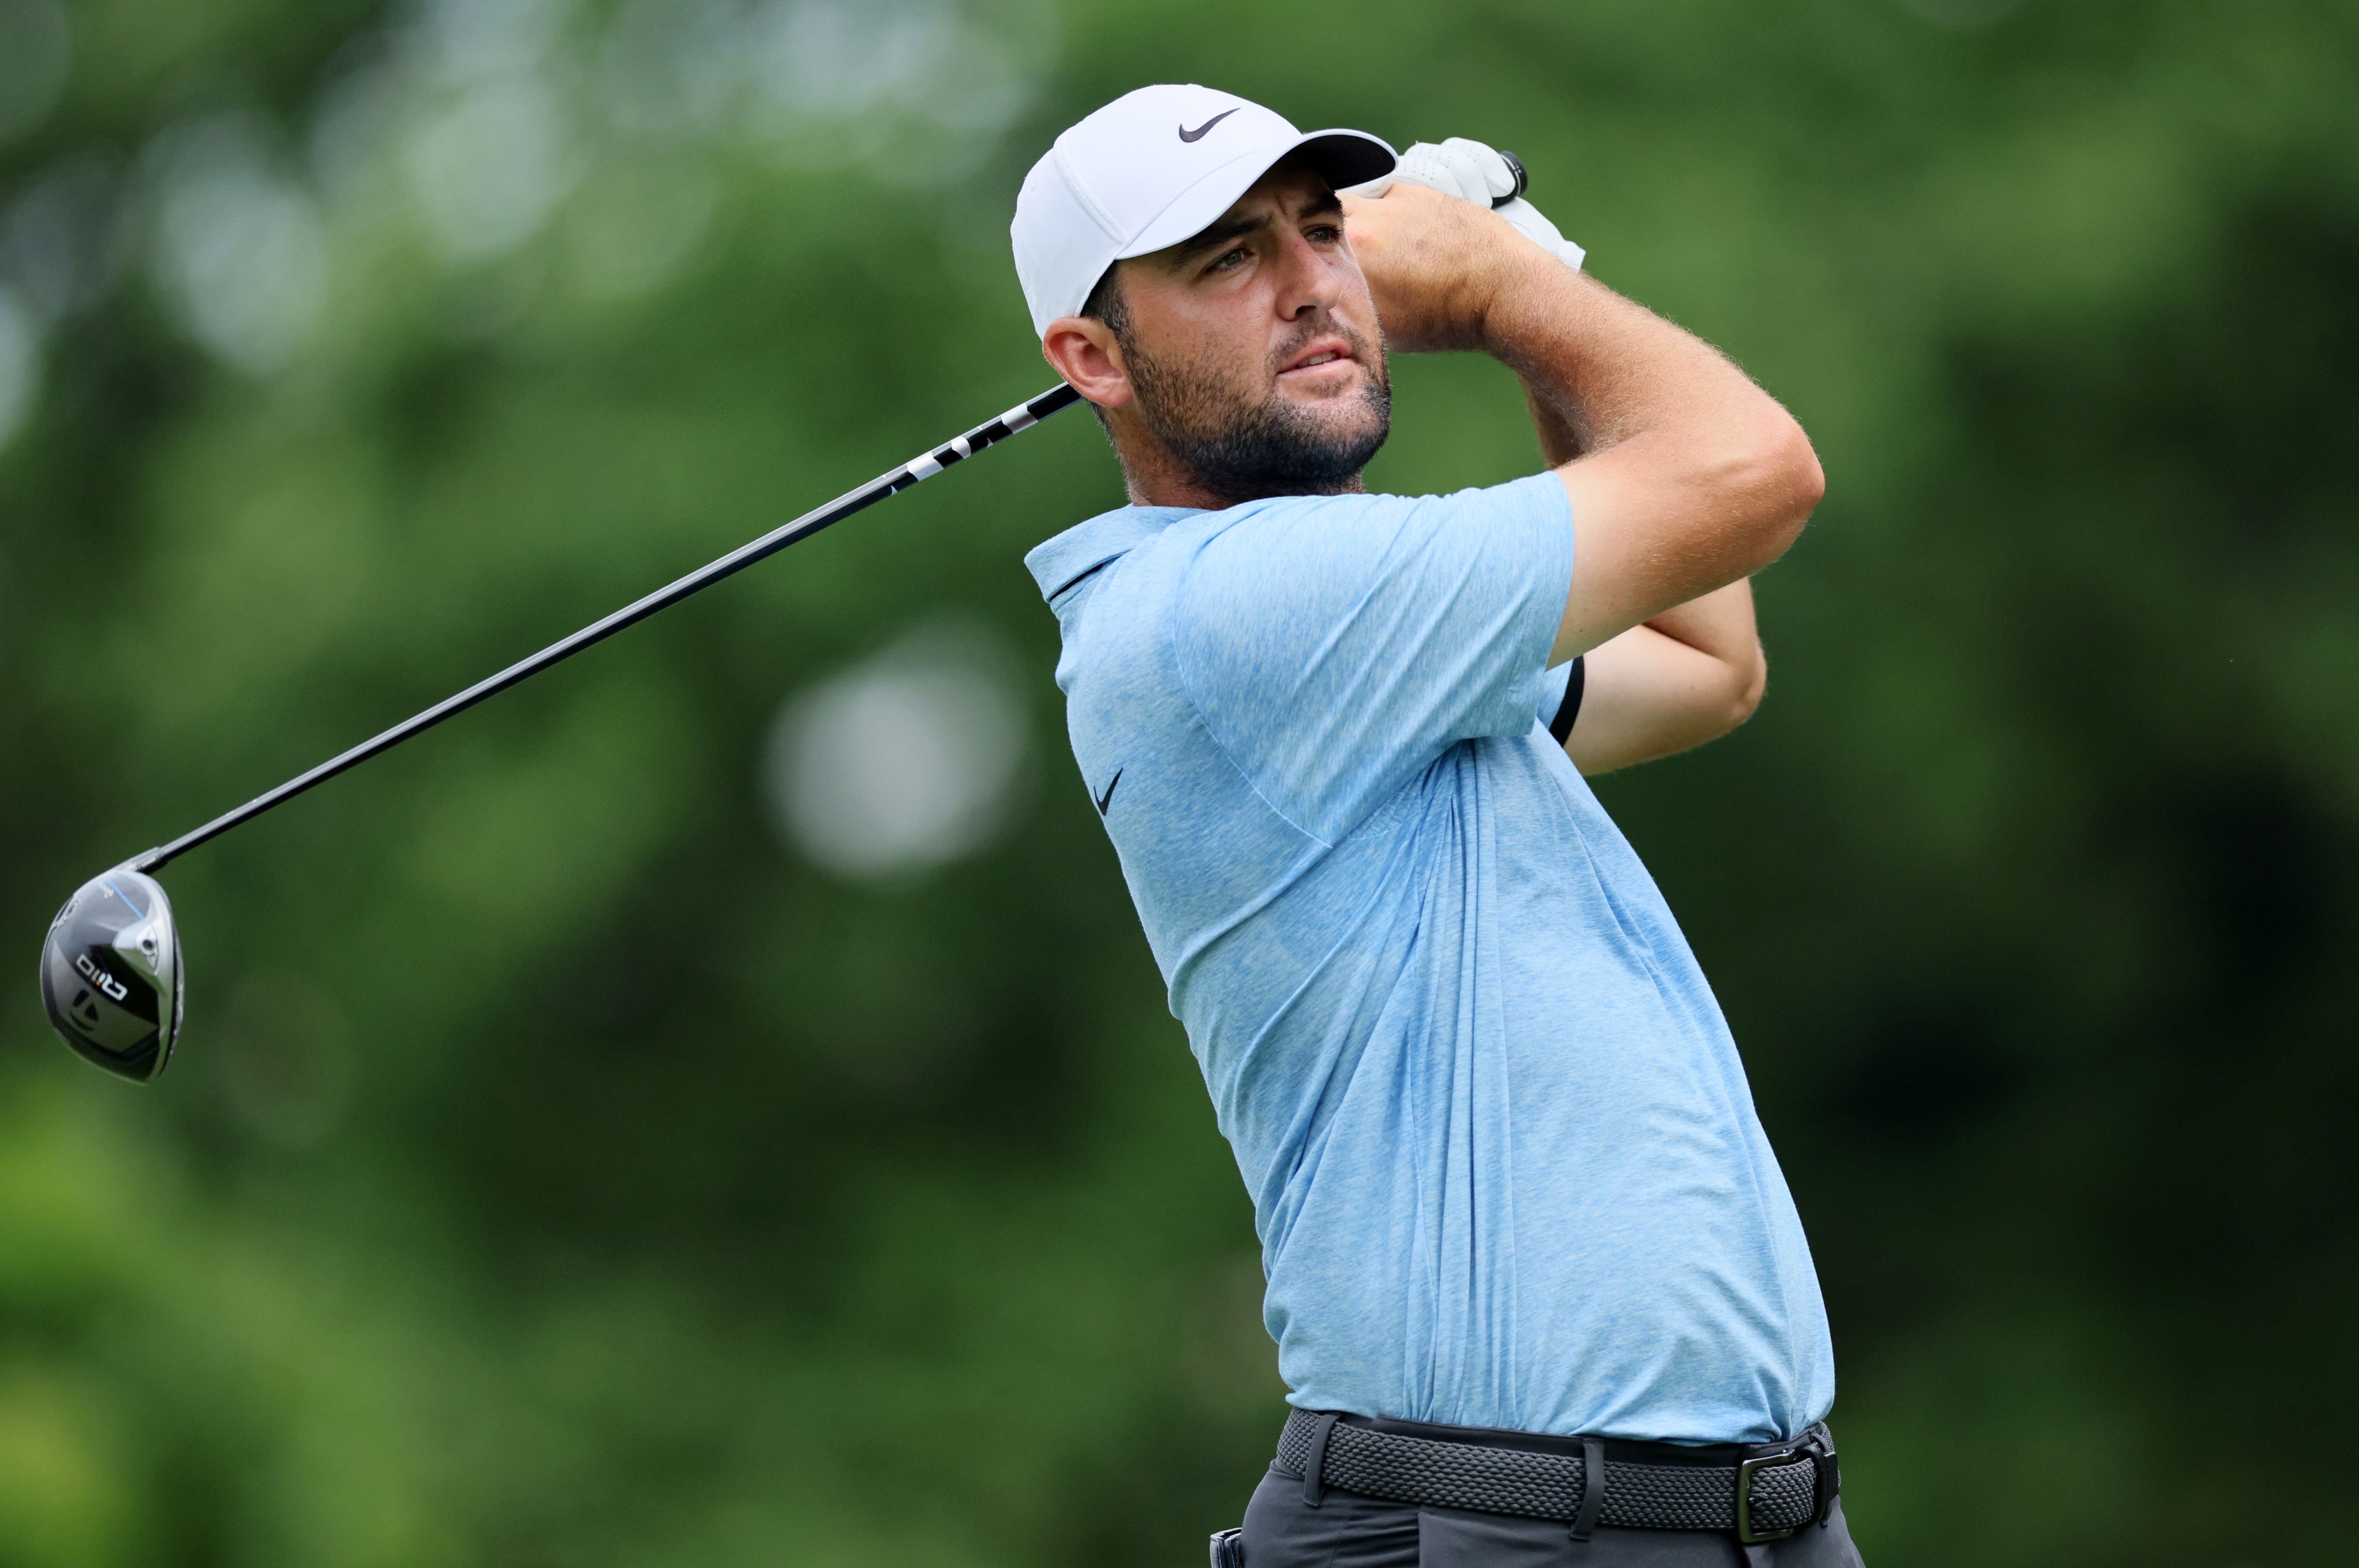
[{"x": 713, "y": 1106}]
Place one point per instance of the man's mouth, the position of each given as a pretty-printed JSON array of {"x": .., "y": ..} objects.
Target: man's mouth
[{"x": 1316, "y": 354}]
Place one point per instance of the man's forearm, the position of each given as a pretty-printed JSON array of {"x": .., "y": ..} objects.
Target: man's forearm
[
  {"x": 1720, "y": 624},
  {"x": 1600, "y": 369},
  {"x": 1675, "y": 681},
  {"x": 1688, "y": 675},
  {"x": 1685, "y": 475}
]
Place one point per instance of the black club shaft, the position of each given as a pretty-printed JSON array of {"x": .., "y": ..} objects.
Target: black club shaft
[{"x": 915, "y": 472}]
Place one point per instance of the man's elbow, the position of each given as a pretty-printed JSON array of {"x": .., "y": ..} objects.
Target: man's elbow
[
  {"x": 1749, "y": 681},
  {"x": 1774, "y": 482},
  {"x": 1803, "y": 481},
  {"x": 1708, "y": 711}
]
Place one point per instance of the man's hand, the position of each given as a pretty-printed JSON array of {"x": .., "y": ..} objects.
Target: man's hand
[
  {"x": 1474, "y": 172},
  {"x": 1432, "y": 263}
]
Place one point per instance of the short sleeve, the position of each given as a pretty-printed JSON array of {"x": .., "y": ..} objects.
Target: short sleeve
[{"x": 1336, "y": 645}]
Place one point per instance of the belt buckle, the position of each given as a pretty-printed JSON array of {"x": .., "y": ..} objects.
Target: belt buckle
[{"x": 1745, "y": 1470}]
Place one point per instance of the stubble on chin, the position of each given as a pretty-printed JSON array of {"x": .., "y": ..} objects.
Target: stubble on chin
[{"x": 1242, "y": 443}]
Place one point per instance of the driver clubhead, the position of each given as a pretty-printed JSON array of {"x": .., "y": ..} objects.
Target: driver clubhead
[{"x": 110, "y": 974}]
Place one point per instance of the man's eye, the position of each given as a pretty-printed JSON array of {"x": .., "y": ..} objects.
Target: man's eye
[
  {"x": 1230, "y": 262},
  {"x": 1327, "y": 233}
]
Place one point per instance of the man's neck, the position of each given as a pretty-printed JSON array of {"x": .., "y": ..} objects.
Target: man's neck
[{"x": 1154, "y": 477}]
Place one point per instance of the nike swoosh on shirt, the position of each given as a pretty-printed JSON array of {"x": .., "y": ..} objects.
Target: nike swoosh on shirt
[
  {"x": 1107, "y": 798},
  {"x": 1198, "y": 133}
]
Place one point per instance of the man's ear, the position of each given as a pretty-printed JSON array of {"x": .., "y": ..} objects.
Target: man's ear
[{"x": 1085, "y": 354}]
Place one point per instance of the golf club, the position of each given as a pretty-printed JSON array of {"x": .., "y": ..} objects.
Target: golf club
[{"x": 113, "y": 975}]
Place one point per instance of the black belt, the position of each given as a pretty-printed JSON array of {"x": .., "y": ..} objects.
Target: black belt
[{"x": 1761, "y": 1492}]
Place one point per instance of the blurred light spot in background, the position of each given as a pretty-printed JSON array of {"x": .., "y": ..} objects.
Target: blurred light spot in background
[
  {"x": 286, "y": 1052},
  {"x": 637, "y": 224},
  {"x": 911, "y": 89},
  {"x": 35, "y": 49},
  {"x": 490, "y": 37},
  {"x": 20, "y": 363},
  {"x": 488, "y": 165},
  {"x": 239, "y": 253},
  {"x": 60, "y": 243},
  {"x": 665, "y": 67},
  {"x": 903, "y": 761},
  {"x": 501, "y": 142},
  {"x": 813, "y": 60}
]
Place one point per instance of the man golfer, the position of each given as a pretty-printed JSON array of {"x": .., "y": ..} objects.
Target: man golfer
[{"x": 1537, "y": 1287}]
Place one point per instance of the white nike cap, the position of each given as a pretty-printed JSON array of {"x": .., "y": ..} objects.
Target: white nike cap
[{"x": 1149, "y": 170}]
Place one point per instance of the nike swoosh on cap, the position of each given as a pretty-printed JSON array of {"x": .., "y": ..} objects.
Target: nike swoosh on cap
[{"x": 1198, "y": 133}]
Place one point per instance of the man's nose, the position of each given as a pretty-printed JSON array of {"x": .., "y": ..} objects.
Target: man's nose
[{"x": 1309, "y": 283}]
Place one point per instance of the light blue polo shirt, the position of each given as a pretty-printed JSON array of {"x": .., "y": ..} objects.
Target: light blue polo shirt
[{"x": 1504, "y": 1166}]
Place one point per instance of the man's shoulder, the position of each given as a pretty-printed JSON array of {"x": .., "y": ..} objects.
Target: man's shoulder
[
  {"x": 1301, "y": 542},
  {"x": 1058, "y": 564},
  {"x": 1084, "y": 552},
  {"x": 1384, "y": 507},
  {"x": 1254, "y": 537}
]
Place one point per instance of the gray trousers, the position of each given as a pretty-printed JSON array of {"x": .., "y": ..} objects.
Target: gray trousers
[{"x": 1346, "y": 1530}]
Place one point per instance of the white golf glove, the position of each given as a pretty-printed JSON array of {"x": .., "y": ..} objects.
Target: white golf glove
[{"x": 1472, "y": 172}]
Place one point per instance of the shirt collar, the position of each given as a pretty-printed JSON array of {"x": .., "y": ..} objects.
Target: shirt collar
[{"x": 1080, "y": 550}]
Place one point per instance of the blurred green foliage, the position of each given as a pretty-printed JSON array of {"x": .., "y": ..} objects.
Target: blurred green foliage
[{"x": 560, "y": 1170}]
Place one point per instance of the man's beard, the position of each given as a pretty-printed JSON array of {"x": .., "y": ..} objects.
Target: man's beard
[{"x": 1241, "y": 450}]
